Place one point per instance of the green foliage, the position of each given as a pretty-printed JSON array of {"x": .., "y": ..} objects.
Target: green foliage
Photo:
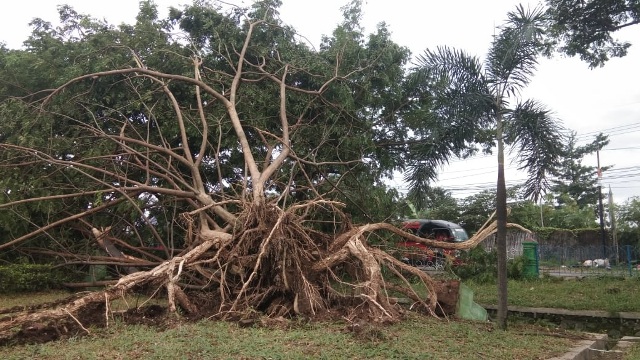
[
  {"x": 440, "y": 204},
  {"x": 629, "y": 213},
  {"x": 628, "y": 222},
  {"x": 476, "y": 209},
  {"x": 345, "y": 141},
  {"x": 575, "y": 184},
  {"x": 62, "y": 134},
  {"x": 31, "y": 277},
  {"x": 586, "y": 28},
  {"x": 566, "y": 216},
  {"x": 481, "y": 267}
]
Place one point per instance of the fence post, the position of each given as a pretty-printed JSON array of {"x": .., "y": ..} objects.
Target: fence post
[{"x": 629, "y": 259}]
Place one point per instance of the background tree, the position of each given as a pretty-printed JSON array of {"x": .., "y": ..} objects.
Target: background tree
[
  {"x": 628, "y": 222},
  {"x": 477, "y": 208},
  {"x": 586, "y": 28},
  {"x": 480, "y": 104},
  {"x": 576, "y": 182},
  {"x": 439, "y": 204},
  {"x": 538, "y": 215}
]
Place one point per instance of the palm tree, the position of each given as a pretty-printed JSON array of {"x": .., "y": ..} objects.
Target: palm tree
[{"x": 476, "y": 103}]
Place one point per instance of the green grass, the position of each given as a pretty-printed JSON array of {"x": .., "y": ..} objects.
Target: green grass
[
  {"x": 415, "y": 338},
  {"x": 604, "y": 293},
  {"x": 28, "y": 299},
  {"x": 632, "y": 353}
]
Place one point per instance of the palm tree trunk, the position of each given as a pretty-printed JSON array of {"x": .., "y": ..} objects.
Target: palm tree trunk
[{"x": 501, "y": 234}]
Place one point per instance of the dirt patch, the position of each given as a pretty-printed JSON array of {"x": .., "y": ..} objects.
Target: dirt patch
[
  {"x": 40, "y": 332},
  {"x": 90, "y": 317}
]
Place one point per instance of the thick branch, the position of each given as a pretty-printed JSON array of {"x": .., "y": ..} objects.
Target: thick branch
[
  {"x": 284, "y": 123},
  {"x": 60, "y": 222}
]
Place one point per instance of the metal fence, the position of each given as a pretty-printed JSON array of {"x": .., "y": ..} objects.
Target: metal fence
[
  {"x": 576, "y": 260},
  {"x": 589, "y": 260}
]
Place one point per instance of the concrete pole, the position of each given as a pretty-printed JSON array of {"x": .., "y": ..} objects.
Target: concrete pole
[{"x": 601, "y": 209}]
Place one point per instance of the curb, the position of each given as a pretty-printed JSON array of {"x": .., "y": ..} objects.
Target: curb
[
  {"x": 626, "y": 342},
  {"x": 564, "y": 312},
  {"x": 584, "y": 348}
]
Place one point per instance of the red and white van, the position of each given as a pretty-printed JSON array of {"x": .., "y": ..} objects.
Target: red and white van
[{"x": 419, "y": 254}]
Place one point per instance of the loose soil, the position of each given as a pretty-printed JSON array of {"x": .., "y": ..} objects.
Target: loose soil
[{"x": 93, "y": 316}]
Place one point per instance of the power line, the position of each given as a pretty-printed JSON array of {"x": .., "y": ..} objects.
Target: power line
[
  {"x": 623, "y": 148},
  {"x": 613, "y": 131}
]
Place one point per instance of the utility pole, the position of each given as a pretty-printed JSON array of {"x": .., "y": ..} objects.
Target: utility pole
[
  {"x": 541, "y": 214},
  {"x": 614, "y": 226},
  {"x": 601, "y": 208}
]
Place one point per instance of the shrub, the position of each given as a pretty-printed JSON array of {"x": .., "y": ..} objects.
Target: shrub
[
  {"x": 31, "y": 277},
  {"x": 481, "y": 266}
]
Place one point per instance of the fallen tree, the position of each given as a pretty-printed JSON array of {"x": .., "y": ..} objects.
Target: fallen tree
[{"x": 221, "y": 183}]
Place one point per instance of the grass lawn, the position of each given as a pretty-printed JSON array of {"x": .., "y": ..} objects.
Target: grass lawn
[
  {"x": 633, "y": 353},
  {"x": 416, "y": 337},
  {"x": 598, "y": 293},
  {"x": 29, "y": 299}
]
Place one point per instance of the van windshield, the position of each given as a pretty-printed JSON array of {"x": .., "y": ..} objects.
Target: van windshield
[{"x": 460, "y": 235}]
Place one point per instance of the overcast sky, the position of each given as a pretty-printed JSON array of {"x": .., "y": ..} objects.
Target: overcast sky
[{"x": 587, "y": 101}]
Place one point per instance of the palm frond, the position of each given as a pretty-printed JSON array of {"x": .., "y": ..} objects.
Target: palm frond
[
  {"x": 453, "y": 68},
  {"x": 461, "y": 97},
  {"x": 425, "y": 159},
  {"x": 512, "y": 58},
  {"x": 419, "y": 177},
  {"x": 538, "y": 139},
  {"x": 461, "y": 108}
]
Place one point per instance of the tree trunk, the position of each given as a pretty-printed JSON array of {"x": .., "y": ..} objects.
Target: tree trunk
[{"x": 501, "y": 234}]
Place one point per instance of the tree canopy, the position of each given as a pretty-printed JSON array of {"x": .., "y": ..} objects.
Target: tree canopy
[
  {"x": 587, "y": 28},
  {"x": 576, "y": 183}
]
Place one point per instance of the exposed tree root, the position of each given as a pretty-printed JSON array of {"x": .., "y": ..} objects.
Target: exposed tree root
[{"x": 275, "y": 267}]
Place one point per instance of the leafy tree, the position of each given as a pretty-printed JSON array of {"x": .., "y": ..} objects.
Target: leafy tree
[
  {"x": 211, "y": 152},
  {"x": 573, "y": 181},
  {"x": 476, "y": 209},
  {"x": 628, "y": 221},
  {"x": 53, "y": 55},
  {"x": 570, "y": 216},
  {"x": 586, "y": 28},
  {"x": 629, "y": 214},
  {"x": 473, "y": 103},
  {"x": 529, "y": 214},
  {"x": 440, "y": 204}
]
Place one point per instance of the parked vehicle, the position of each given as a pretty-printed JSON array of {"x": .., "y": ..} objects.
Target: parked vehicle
[{"x": 419, "y": 254}]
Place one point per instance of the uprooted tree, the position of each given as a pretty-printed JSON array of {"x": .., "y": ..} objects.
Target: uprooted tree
[{"x": 227, "y": 165}]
